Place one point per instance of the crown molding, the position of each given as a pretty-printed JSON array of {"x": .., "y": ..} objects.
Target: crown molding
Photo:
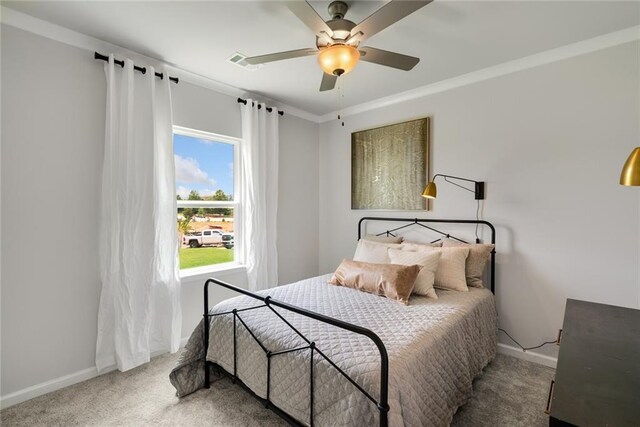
[
  {"x": 558, "y": 54},
  {"x": 64, "y": 35},
  {"x": 73, "y": 38}
]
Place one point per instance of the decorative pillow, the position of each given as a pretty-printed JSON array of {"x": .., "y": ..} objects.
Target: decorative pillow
[
  {"x": 451, "y": 267},
  {"x": 393, "y": 281},
  {"x": 479, "y": 254},
  {"x": 382, "y": 239},
  {"x": 374, "y": 252},
  {"x": 428, "y": 262}
]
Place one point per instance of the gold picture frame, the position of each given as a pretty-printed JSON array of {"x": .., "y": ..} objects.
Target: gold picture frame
[{"x": 390, "y": 166}]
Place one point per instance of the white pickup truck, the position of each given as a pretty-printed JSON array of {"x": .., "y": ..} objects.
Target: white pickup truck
[{"x": 208, "y": 237}]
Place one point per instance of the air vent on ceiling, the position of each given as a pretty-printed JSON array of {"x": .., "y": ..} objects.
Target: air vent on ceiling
[{"x": 239, "y": 60}]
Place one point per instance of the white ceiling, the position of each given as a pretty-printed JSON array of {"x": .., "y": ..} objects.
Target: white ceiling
[{"x": 451, "y": 38}]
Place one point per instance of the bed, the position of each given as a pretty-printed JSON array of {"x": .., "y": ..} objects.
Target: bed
[{"x": 320, "y": 354}]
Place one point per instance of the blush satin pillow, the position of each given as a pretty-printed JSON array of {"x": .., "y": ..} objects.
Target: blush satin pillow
[{"x": 390, "y": 280}]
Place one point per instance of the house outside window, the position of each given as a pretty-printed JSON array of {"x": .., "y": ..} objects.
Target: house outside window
[{"x": 207, "y": 198}]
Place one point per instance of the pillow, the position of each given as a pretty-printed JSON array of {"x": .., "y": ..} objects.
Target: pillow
[
  {"x": 382, "y": 239},
  {"x": 393, "y": 281},
  {"x": 374, "y": 252},
  {"x": 428, "y": 262},
  {"x": 479, "y": 255},
  {"x": 451, "y": 267},
  {"x": 413, "y": 246}
]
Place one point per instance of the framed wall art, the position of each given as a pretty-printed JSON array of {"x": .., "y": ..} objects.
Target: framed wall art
[{"x": 390, "y": 166}]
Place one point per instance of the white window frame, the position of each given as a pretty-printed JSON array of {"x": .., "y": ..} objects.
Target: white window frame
[{"x": 234, "y": 204}]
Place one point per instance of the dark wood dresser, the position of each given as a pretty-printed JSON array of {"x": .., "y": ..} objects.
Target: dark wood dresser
[{"x": 597, "y": 379}]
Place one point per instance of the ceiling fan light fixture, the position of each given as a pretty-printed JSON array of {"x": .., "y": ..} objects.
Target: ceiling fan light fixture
[{"x": 338, "y": 59}]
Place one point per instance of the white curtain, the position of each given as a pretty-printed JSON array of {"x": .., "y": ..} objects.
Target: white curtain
[
  {"x": 259, "y": 195},
  {"x": 139, "y": 311}
]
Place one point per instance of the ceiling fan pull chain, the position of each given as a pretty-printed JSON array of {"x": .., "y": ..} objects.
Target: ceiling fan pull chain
[
  {"x": 339, "y": 84},
  {"x": 340, "y": 99},
  {"x": 342, "y": 85}
]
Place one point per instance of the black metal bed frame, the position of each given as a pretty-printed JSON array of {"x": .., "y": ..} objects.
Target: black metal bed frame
[
  {"x": 420, "y": 222},
  {"x": 382, "y": 403}
]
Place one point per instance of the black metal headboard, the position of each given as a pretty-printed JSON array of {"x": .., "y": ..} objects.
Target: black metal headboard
[{"x": 421, "y": 222}]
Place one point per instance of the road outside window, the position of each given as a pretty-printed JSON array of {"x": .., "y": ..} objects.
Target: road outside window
[{"x": 207, "y": 197}]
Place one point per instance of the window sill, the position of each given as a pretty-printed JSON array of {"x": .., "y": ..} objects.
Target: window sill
[{"x": 203, "y": 273}]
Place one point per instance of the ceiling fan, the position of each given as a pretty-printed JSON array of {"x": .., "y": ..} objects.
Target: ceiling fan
[{"x": 338, "y": 39}]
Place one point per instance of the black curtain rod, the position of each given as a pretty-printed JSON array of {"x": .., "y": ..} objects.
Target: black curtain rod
[
  {"x": 143, "y": 70},
  {"x": 269, "y": 109}
]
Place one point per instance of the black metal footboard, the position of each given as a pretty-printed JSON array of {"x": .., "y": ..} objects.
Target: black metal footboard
[{"x": 381, "y": 404}]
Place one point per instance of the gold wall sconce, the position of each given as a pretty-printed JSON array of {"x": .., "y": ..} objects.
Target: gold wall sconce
[
  {"x": 630, "y": 175},
  {"x": 431, "y": 191}
]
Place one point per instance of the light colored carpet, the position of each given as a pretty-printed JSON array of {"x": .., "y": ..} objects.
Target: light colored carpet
[{"x": 510, "y": 392}]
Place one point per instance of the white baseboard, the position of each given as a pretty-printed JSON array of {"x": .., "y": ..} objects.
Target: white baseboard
[
  {"x": 49, "y": 386},
  {"x": 62, "y": 382},
  {"x": 529, "y": 356},
  {"x": 86, "y": 374}
]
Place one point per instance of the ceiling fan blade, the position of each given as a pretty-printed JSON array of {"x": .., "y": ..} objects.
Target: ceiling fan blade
[
  {"x": 387, "y": 15},
  {"x": 328, "y": 82},
  {"x": 309, "y": 17},
  {"x": 254, "y": 60},
  {"x": 390, "y": 59}
]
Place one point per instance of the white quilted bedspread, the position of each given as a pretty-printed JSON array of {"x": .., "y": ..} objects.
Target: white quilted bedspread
[{"x": 435, "y": 347}]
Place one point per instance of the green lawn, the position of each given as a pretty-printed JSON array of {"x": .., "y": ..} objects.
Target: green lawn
[{"x": 197, "y": 257}]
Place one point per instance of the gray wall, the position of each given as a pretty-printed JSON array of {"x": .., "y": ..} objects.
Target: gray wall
[
  {"x": 550, "y": 142},
  {"x": 52, "y": 147}
]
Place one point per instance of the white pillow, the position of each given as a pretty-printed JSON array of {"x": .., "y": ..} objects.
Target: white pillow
[
  {"x": 416, "y": 247},
  {"x": 428, "y": 262},
  {"x": 373, "y": 252},
  {"x": 451, "y": 268}
]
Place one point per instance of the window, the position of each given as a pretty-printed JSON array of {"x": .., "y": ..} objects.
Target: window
[{"x": 207, "y": 194}]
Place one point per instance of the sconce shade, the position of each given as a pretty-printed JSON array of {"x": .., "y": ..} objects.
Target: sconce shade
[
  {"x": 630, "y": 175},
  {"x": 338, "y": 59},
  {"x": 430, "y": 191}
]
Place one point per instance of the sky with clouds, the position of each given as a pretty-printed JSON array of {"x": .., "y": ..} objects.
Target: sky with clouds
[{"x": 202, "y": 165}]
